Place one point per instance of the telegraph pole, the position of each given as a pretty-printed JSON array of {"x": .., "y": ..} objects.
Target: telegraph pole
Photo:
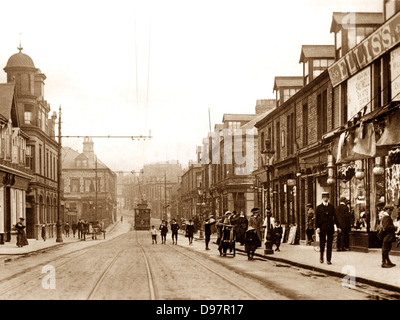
[{"x": 59, "y": 196}]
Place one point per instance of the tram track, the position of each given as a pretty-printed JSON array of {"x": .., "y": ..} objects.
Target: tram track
[
  {"x": 28, "y": 276},
  {"x": 150, "y": 277},
  {"x": 220, "y": 275}
]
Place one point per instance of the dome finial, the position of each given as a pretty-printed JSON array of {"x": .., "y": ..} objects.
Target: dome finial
[{"x": 20, "y": 47}]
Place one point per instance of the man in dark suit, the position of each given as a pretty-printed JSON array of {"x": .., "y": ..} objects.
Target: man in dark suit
[
  {"x": 388, "y": 235},
  {"x": 344, "y": 224},
  {"x": 325, "y": 219}
]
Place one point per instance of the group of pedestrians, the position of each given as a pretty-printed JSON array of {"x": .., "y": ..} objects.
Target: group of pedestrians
[
  {"x": 328, "y": 219},
  {"x": 175, "y": 227}
]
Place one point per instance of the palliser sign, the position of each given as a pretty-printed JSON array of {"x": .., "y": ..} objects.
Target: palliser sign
[{"x": 383, "y": 39}]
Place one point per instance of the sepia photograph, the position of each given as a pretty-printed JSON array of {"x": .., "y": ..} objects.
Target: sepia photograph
[{"x": 196, "y": 158}]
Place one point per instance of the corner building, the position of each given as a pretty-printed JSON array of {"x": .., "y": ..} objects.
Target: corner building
[{"x": 41, "y": 146}]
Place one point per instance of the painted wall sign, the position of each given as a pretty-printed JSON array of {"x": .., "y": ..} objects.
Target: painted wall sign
[{"x": 359, "y": 92}]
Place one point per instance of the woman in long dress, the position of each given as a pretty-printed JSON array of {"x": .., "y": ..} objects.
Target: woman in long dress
[{"x": 21, "y": 236}]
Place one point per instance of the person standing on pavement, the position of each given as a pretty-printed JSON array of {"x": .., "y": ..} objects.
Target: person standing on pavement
[
  {"x": 251, "y": 241},
  {"x": 74, "y": 228},
  {"x": 43, "y": 233},
  {"x": 344, "y": 224},
  {"x": 80, "y": 228},
  {"x": 207, "y": 230},
  {"x": 278, "y": 231},
  {"x": 325, "y": 220},
  {"x": 21, "y": 236},
  {"x": 310, "y": 223},
  {"x": 66, "y": 228},
  {"x": 164, "y": 230},
  {"x": 256, "y": 223},
  {"x": 174, "y": 229},
  {"x": 190, "y": 231},
  {"x": 388, "y": 236},
  {"x": 241, "y": 227}
]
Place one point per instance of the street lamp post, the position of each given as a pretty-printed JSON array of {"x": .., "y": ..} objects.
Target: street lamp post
[{"x": 267, "y": 153}]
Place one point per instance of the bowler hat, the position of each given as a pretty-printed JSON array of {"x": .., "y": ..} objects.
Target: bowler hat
[
  {"x": 254, "y": 210},
  {"x": 325, "y": 194},
  {"x": 388, "y": 207}
]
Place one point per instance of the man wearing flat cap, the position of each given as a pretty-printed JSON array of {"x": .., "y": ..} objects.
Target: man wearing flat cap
[
  {"x": 343, "y": 223},
  {"x": 325, "y": 220}
]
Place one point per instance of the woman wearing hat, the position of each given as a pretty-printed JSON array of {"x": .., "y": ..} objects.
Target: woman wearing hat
[{"x": 21, "y": 236}]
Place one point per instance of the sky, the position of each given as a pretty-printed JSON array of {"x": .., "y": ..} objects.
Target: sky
[{"x": 165, "y": 68}]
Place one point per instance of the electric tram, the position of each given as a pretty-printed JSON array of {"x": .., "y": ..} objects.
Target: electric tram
[{"x": 142, "y": 216}]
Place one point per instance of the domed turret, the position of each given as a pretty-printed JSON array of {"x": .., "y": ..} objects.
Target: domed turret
[{"x": 19, "y": 60}]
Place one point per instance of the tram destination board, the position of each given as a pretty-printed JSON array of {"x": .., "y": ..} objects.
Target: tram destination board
[{"x": 142, "y": 218}]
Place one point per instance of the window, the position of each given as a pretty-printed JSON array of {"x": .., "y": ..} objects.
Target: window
[
  {"x": 29, "y": 157},
  {"x": 322, "y": 125},
  {"x": 278, "y": 141},
  {"x": 306, "y": 73},
  {"x": 390, "y": 8},
  {"x": 28, "y": 117},
  {"x": 287, "y": 93},
  {"x": 75, "y": 185},
  {"x": 305, "y": 124},
  {"x": 356, "y": 35},
  {"x": 338, "y": 44}
]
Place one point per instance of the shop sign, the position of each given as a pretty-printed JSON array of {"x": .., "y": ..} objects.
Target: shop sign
[
  {"x": 379, "y": 42},
  {"x": 359, "y": 92},
  {"x": 395, "y": 73}
]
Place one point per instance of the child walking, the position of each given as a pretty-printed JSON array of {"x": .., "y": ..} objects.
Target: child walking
[
  {"x": 153, "y": 235},
  {"x": 278, "y": 235}
]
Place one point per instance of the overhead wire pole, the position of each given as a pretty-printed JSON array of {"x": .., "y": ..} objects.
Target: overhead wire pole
[{"x": 59, "y": 172}]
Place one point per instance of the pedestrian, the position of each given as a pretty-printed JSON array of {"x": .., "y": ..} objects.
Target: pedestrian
[
  {"x": 74, "y": 228},
  {"x": 219, "y": 226},
  {"x": 174, "y": 229},
  {"x": 250, "y": 242},
  {"x": 164, "y": 230},
  {"x": 190, "y": 231},
  {"x": 122, "y": 219},
  {"x": 256, "y": 223},
  {"x": 207, "y": 230},
  {"x": 388, "y": 235},
  {"x": 80, "y": 228},
  {"x": 277, "y": 235},
  {"x": 325, "y": 219},
  {"x": 153, "y": 235},
  {"x": 344, "y": 224},
  {"x": 234, "y": 217},
  {"x": 310, "y": 223},
  {"x": 44, "y": 232},
  {"x": 21, "y": 236},
  {"x": 66, "y": 229},
  {"x": 241, "y": 227},
  {"x": 227, "y": 218}
]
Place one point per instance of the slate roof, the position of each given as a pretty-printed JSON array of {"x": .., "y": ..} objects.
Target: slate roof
[
  {"x": 288, "y": 82},
  {"x": 358, "y": 18},
  {"x": 6, "y": 100},
  {"x": 317, "y": 51}
]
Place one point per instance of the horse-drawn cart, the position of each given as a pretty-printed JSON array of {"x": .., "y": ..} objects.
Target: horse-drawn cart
[{"x": 95, "y": 228}]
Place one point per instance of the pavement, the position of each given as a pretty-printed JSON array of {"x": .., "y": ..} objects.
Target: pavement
[
  {"x": 353, "y": 265},
  {"x": 10, "y": 249},
  {"x": 358, "y": 266}
]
